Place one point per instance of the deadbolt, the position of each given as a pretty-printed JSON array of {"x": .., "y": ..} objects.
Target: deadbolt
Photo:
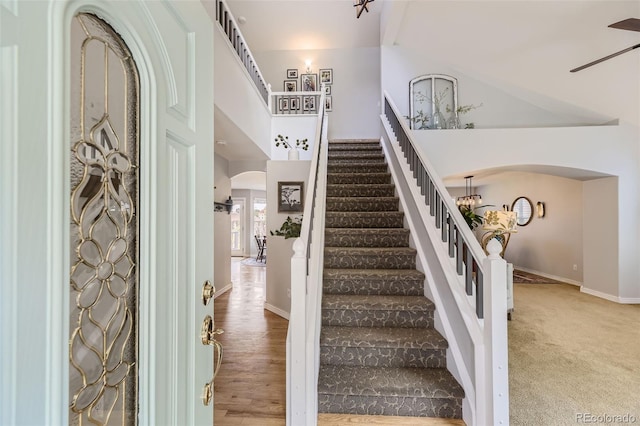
[{"x": 207, "y": 292}]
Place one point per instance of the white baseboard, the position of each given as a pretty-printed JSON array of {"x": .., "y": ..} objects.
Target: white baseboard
[
  {"x": 553, "y": 277},
  {"x": 610, "y": 297},
  {"x": 223, "y": 290},
  {"x": 276, "y": 311}
]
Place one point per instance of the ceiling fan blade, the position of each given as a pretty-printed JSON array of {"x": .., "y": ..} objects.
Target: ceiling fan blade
[
  {"x": 613, "y": 55},
  {"x": 631, "y": 24}
]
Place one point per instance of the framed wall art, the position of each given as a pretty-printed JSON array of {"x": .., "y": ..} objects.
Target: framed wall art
[
  {"x": 283, "y": 104},
  {"x": 326, "y": 76},
  {"x": 290, "y": 197},
  {"x": 294, "y": 104},
  {"x": 328, "y": 103},
  {"x": 327, "y": 90},
  {"x": 292, "y": 73},
  {"x": 290, "y": 85},
  {"x": 309, "y": 103},
  {"x": 309, "y": 82}
]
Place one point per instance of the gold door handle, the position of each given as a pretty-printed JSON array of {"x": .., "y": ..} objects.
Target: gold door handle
[
  {"x": 207, "y": 292},
  {"x": 207, "y": 334}
]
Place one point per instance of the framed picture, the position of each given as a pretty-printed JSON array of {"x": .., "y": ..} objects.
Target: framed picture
[
  {"x": 291, "y": 85},
  {"x": 283, "y": 104},
  {"x": 328, "y": 104},
  {"x": 309, "y": 82},
  {"x": 309, "y": 103},
  {"x": 327, "y": 90},
  {"x": 290, "y": 197},
  {"x": 326, "y": 75},
  {"x": 291, "y": 73},
  {"x": 294, "y": 103}
]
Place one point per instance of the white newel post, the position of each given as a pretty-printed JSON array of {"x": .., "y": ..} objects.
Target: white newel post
[
  {"x": 495, "y": 333},
  {"x": 297, "y": 328}
]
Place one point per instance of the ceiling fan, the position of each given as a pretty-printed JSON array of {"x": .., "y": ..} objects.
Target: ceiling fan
[{"x": 631, "y": 24}]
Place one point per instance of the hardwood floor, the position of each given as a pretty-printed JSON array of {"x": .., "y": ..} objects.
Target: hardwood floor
[{"x": 250, "y": 387}]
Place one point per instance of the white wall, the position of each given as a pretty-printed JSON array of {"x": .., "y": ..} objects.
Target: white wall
[
  {"x": 500, "y": 109},
  {"x": 222, "y": 226},
  {"x": 355, "y": 88},
  {"x": 279, "y": 249},
  {"x": 237, "y": 96},
  {"x": 295, "y": 127},
  {"x": 607, "y": 150}
]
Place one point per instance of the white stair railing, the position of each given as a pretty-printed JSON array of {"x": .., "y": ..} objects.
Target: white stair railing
[
  {"x": 468, "y": 288},
  {"x": 303, "y": 337}
]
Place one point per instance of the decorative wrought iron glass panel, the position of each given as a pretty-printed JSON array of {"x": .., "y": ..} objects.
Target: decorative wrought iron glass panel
[{"x": 104, "y": 226}]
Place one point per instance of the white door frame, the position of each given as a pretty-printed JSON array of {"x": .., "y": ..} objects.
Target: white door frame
[{"x": 34, "y": 248}]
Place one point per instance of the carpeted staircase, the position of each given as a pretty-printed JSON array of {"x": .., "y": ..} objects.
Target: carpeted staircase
[{"x": 379, "y": 352}]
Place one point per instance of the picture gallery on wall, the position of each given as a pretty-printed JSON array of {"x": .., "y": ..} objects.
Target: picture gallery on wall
[{"x": 308, "y": 82}]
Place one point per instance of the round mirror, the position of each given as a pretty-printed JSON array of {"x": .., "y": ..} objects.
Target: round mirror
[{"x": 523, "y": 208}]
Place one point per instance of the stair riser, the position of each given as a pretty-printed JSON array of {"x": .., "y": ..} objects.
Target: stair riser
[
  {"x": 357, "y": 168},
  {"x": 383, "y": 357},
  {"x": 376, "y": 318},
  {"x": 355, "y": 221},
  {"x": 369, "y": 261},
  {"x": 362, "y": 205},
  {"x": 377, "y": 154},
  {"x": 358, "y": 178},
  {"x": 371, "y": 146},
  {"x": 366, "y": 239},
  {"x": 391, "y": 406},
  {"x": 350, "y": 191},
  {"x": 373, "y": 287}
]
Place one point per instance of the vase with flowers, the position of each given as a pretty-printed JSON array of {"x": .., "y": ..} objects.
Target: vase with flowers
[{"x": 294, "y": 154}]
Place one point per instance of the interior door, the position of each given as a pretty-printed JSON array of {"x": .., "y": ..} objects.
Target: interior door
[{"x": 66, "y": 182}]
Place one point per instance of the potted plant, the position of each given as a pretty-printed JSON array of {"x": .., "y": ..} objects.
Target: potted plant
[
  {"x": 290, "y": 228},
  {"x": 293, "y": 149}
]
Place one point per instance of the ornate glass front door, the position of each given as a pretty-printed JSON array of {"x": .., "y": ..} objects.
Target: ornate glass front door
[{"x": 104, "y": 226}]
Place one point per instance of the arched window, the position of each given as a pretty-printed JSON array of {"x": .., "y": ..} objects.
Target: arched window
[{"x": 433, "y": 102}]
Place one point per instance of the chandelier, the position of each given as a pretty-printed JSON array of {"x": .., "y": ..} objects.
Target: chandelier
[
  {"x": 469, "y": 199},
  {"x": 361, "y": 5}
]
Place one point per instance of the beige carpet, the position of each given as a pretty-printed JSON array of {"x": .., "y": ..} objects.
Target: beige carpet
[{"x": 571, "y": 356}]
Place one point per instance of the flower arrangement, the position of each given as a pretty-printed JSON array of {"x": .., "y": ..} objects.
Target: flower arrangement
[{"x": 284, "y": 141}]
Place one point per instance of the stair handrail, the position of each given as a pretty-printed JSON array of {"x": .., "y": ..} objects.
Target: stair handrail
[
  {"x": 228, "y": 24},
  {"x": 303, "y": 336},
  {"x": 461, "y": 252}
]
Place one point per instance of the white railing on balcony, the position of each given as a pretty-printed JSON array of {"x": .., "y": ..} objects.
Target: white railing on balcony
[
  {"x": 468, "y": 288},
  {"x": 303, "y": 337},
  {"x": 231, "y": 29},
  {"x": 294, "y": 103}
]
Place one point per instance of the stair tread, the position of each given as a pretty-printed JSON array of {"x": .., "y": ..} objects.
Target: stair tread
[
  {"x": 388, "y": 381},
  {"x": 342, "y": 231},
  {"x": 383, "y": 274},
  {"x": 369, "y": 251},
  {"x": 377, "y": 302},
  {"x": 382, "y": 337}
]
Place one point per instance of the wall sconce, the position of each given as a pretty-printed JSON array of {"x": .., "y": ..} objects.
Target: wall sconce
[
  {"x": 221, "y": 207},
  {"x": 307, "y": 63},
  {"x": 540, "y": 209}
]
